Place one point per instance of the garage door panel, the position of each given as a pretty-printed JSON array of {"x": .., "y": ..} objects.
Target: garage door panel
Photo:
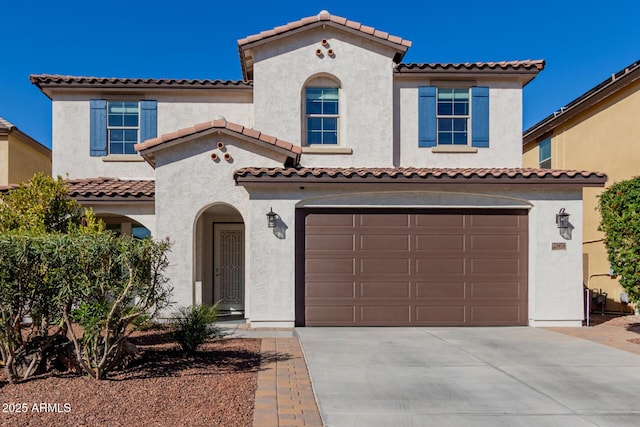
[
  {"x": 385, "y": 289},
  {"x": 440, "y": 242},
  {"x": 331, "y": 242},
  {"x": 333, "y": 221},
  {"x": 493, "y": 242},
  {"x": 377, "y": 266},
  {"x": 440, "y": 289},
  {"x": 494, "y": 266},
  {"x": 390, "y": 315},
  {"x": 440, "y": 314},
  {"x": 330, "y": 315},
  {"x": 495, "y": 290},
  {"x": 331, "y": 289},
  {"x": 497, "y": 221},
  {"x": 495, "y": 314},
  {"x": 439, "y": 221},
  {"x": 389, "y": 242},
  {"x": 416, "y": 269},
  {"x": 383, "y": 221},
  {"x": 440, "y": 266}
]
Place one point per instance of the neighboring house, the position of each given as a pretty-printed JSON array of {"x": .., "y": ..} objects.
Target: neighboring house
[
  {"x": 20, "y": 155},
  {"x": 334, "y": 184},
  {"x": 600, "y": 131}
]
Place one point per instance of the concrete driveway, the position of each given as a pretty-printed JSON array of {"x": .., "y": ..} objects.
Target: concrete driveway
[{"x": 469, "y": 376}]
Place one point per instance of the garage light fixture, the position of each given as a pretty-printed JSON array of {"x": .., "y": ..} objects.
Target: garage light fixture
[
  {"x": 271, "y": 218},
  {"x": 562, "y": 219}
]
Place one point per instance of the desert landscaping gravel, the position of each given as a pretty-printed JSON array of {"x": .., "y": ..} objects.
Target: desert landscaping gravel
[{"x": 161, "y": 387}]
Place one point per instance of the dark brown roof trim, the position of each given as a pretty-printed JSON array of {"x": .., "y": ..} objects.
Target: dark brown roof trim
[
  {"x": 613, "y": 84},
  {"x": 54, "y": 81},
  {"x": 111, "y": 190},
  {"x": 528, "y": 176}
]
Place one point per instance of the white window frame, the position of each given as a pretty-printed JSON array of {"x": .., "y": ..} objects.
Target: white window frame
[
  {"x": 467, "y": 116},
  {"x": 123, "y": 127}
]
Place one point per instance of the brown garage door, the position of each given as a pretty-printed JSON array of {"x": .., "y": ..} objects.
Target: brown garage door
[{"x": 390, "y": 268}]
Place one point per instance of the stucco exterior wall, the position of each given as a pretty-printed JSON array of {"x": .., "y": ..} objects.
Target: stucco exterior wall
[
  {"x": 188, "y": 181},
  {"x": 604, "y": 139},
  {"x": 71, "y": 126},
  {"x": 4, "y": 160},
  {"x": 555, "y": 279},
  {"x": 26, "y": 159},
  {"x": 505, "y": 127},
  {"x": 364, "y": 70}
]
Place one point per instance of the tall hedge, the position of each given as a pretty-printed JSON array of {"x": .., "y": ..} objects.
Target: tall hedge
[
  {"x": 619, "y": 207},
  {"x": 65, "y": 281}
]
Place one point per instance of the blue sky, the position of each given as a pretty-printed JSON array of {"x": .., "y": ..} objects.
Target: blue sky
[{"x": 583, "y": 41}]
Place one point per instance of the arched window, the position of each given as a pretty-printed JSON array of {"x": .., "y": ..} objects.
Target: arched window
[{"x": 322, "y": 111}]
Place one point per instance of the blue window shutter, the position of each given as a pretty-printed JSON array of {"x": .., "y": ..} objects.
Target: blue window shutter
[
  {"x": 98, "y": 128},
  {"x": 427, "y": 116},
  {"x": 148, "y": 120},
  {"x": 480, "y": 116}
]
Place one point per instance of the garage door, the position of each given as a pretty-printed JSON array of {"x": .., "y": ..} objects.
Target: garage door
[{"x": 391, "y": 268}]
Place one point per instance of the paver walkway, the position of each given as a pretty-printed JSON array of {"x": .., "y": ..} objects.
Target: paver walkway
[
  {"x": 614, "y": 336},
  {"x": 284, "y": 396}
]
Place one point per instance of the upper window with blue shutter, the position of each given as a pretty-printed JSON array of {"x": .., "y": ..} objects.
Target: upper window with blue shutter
[
  {"x": 453, "y": 116},
  {"x": 116, "y": 126}
]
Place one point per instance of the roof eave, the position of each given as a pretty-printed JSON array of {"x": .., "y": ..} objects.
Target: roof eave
[{"x": 585, "y": 101}]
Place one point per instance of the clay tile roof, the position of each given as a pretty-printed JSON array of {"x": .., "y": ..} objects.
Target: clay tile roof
[
  {"x": 111, "y": 189},
  {"x": 46, "y": 81},
  {"x": 5, "y": 124},
  {"x": 321, "y": 17},
  {"x": 291, "y": 150},
  {"x": 527, "y": 176},
  {"x": 527, "y": 65}
]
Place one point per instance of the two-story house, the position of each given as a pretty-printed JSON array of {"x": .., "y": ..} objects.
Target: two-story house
[
  {"x": 599, "y": 130},
  {"x": 20, "y": 155},
  {"x": 334, "y": 184}
]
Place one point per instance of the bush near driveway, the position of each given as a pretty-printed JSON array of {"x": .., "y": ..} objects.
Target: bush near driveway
[{"x": 619, "y": 207}]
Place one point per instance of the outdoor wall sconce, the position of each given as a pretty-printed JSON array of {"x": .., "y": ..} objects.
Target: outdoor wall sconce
[
  {"x": 562, "y": 220},
  {"x": 271, "y": 218}
]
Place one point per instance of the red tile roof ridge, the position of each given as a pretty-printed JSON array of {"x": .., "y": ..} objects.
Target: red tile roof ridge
[
  {"x": 324, "y": 16},
  {"x": 220, "y": 123}
]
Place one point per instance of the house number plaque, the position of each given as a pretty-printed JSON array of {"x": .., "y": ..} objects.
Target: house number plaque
[{"x": 558, "y": 246}]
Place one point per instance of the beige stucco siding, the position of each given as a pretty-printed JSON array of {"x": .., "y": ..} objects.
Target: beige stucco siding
[
  {"x": 71, "y": 128},
  {"x": 4, "y": 160},
  {"x": 365, "y": 74},
  {"x": 26, "y": 159},
  {"x": 505, "y": 124}
]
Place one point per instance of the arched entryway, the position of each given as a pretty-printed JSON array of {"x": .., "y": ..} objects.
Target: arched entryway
[{"x": 220, "y": 259}]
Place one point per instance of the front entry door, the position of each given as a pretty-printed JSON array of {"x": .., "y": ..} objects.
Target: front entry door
[{"x": 228, "y": 266}]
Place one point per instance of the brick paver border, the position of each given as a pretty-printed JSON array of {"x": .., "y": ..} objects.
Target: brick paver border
[{"x": 284, "y": 396}]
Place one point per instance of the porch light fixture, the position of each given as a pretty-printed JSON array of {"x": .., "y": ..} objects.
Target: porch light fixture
[
  {"x": 562, "y": 219},
  {"x": 271, "y": 218}
]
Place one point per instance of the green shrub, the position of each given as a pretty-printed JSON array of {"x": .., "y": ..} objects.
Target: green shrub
[
  {"x": 193, "y": 325},
  {"x": 619, "y": 206}
]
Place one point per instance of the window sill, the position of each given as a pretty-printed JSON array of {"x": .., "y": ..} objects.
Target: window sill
[
  {"x": 454, "y": 149},
  {"x": 327, "y": 150},
  {"x": 123, "y": 158}
]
